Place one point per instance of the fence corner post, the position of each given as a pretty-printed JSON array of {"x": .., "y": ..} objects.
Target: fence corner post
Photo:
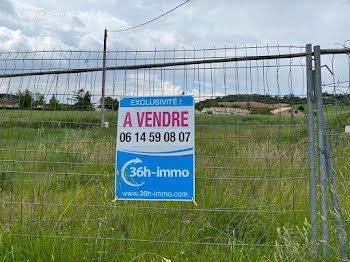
[
  {"x": 311, "y": 148},
  {"x": 103, "y": 81},
  {"x": 321, "y": 152}
]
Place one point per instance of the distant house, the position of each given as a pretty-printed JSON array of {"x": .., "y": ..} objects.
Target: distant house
[
  {"x": 225, "y": 111},
  {"x": 197, "y": 112},
  {"x": 8, "y": 96},
  {"x": 8, "y": 102},
  {"x": 287, "y": 111},
  {"x": 98, "y": 109}
]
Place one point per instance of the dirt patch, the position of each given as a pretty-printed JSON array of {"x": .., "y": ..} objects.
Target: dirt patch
[{"x": 252, "y": 104}]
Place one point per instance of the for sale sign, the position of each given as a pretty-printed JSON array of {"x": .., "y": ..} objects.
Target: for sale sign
[{"x": 155, "y": 149}]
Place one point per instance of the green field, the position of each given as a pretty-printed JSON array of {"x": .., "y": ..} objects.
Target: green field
[{"x": 57, "y": 184}]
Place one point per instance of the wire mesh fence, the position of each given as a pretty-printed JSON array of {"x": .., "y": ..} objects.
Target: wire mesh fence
[
  {"x": 336, "y": 88},
  {"x": 252, "y": 189}
]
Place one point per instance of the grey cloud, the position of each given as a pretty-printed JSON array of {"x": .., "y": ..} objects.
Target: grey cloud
[
  {"x": 77, "y": 22},
  {"x": 200, "y": 23},
  {"x": 6, "y": 7}
]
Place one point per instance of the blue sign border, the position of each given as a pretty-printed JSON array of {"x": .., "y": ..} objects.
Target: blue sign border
[
  {"x": 159, "y": 101},
  {"x": 156, "y": 101}
]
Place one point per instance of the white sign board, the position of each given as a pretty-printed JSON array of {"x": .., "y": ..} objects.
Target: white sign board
[{"x": 155, "y": 149}]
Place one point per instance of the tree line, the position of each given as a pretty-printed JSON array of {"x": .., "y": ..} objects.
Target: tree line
[
  {"x": 81, "y": 101},
  {"x": 291, "y": 99}
]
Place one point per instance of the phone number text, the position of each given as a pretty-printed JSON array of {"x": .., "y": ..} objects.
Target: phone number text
[{"x": 154, "y": 137}]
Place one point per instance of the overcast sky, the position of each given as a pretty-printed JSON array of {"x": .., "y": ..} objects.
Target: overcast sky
[
  {"x": 79, "y": 25},
  {"x": 27, "y": 25}
]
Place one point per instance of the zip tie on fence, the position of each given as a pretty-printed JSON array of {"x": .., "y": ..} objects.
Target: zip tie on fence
[
  {"x": 330, "y": 71},
  {"x": 115, "y": 199},
  {"x": 194, "y": 202}
]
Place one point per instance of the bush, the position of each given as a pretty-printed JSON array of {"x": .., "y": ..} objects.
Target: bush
[{"x": 260, "y": 110}]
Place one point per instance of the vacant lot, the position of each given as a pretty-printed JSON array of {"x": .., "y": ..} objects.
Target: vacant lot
[{"x": 57, "y": 184}]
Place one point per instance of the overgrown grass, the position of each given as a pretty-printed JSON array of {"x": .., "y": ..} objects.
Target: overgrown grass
[{"x": 57, "y": 184}]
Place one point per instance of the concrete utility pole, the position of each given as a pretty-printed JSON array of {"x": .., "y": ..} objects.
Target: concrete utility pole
[{"x": 103, "y": 81}]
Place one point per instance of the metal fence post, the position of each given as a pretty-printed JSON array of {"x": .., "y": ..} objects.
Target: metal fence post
[
  {"x": 335, "y": 203},
  {"x": 311, "y": 147},
  {"x": 321, "y": 151},
  {"x": 103, "y": 81}
]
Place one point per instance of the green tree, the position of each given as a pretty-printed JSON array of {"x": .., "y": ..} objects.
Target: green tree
[
  {"x": 207, "y": 104},
  {"x": 82, "y": 100},
  {"x": 25, "y": 99},
  {"x": 54, "y": 103},
  {"x": 110, "y": 103},
  {"x": 39, "y": 99}
]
